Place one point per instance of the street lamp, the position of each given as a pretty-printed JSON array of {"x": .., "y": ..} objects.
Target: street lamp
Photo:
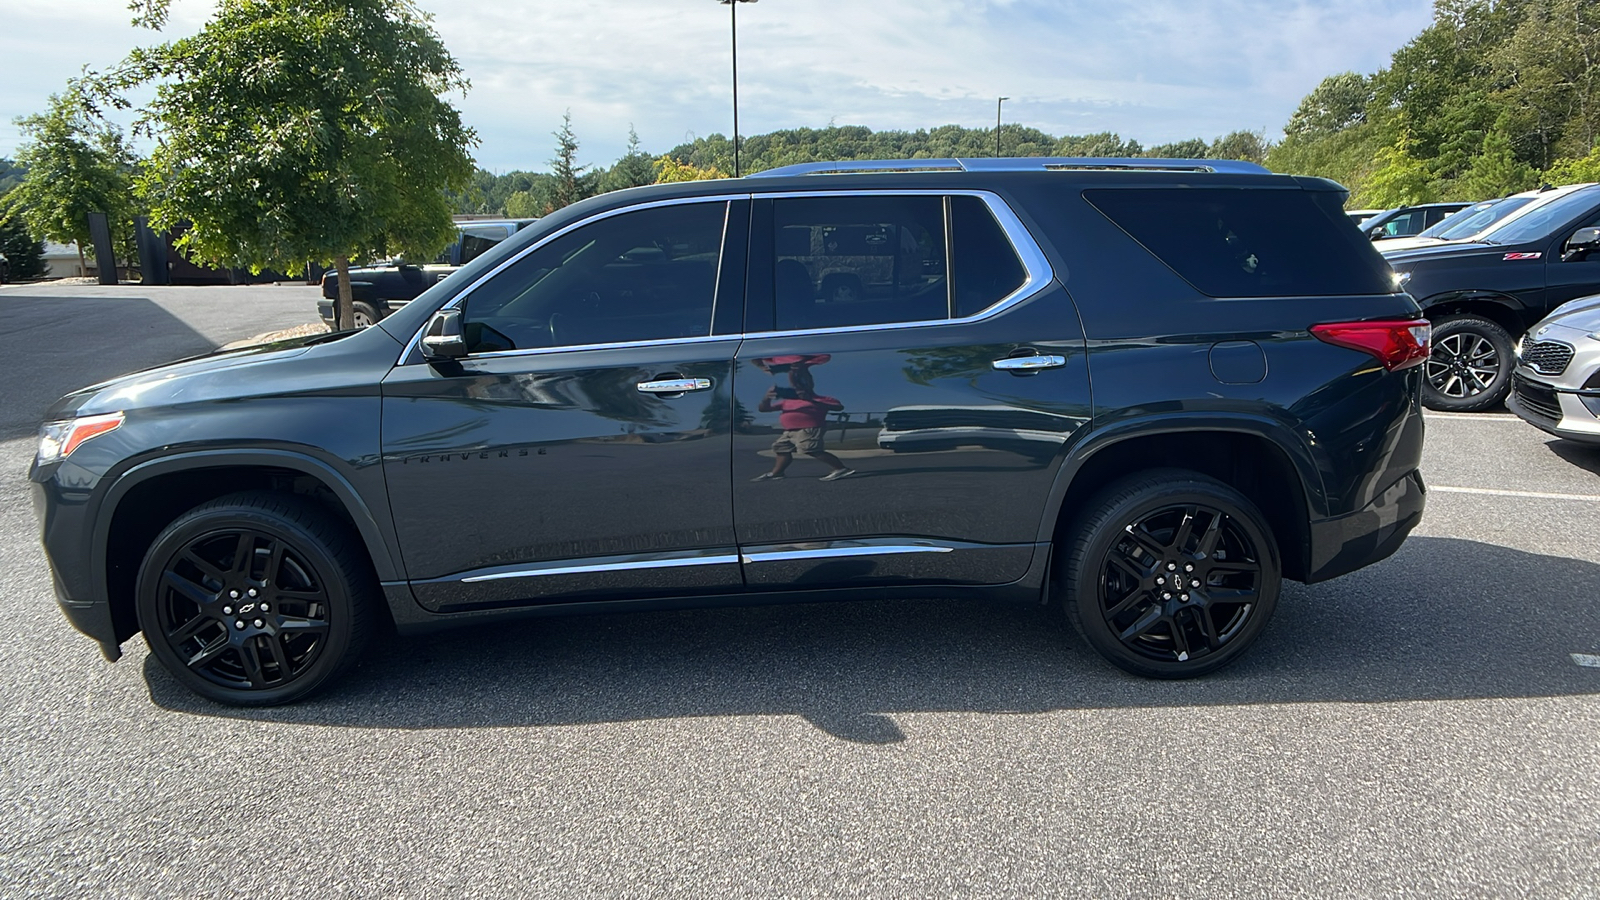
[
  {"x": 733, "y": 18},
  {"x": 997, "y": 106}
]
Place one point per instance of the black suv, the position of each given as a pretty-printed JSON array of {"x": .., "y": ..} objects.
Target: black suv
[
  {"x": 1482, "y": 294},
  {"x": 1145, "y": 389}
]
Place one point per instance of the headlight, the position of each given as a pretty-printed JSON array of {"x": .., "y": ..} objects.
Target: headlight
[{"x": 57, "y": 440}]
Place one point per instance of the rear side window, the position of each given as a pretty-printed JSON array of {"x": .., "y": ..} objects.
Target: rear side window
[
  {"x": 1231, "y": 242},
  {"x": 859, "y": 261},
  {"x": 986, "y": 266},
  {"x": 883, "y": 259}
]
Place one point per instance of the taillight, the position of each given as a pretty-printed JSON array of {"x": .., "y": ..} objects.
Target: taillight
[{"x": 1397, "y": 343}]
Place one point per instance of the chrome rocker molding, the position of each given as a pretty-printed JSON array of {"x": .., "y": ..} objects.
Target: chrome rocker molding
[
  {"x": 809, "y": 550},
  {"x": 718, "y": 557}
]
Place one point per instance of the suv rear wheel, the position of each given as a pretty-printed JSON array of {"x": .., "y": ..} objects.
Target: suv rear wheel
[
  {"x": 255, "y": 599},
  {"x": 1171, "y": 574},
  {"x": 1470, "y": 367}
]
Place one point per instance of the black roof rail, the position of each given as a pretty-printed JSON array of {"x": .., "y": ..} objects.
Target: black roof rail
[{"x": 1017, "y": 164}]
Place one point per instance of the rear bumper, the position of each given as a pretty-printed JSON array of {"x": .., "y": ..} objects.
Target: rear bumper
[{"x": 1346, "y": 543}]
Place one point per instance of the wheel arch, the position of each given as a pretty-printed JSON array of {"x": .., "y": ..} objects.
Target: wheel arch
[
  {"x": 149, "y": 496},
  {"x": 1254, "y": 456},
  {"x": 1503, "y": 309}
]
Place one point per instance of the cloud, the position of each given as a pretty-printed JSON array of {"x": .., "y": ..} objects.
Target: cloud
[{"x": 1156, "y": 71}]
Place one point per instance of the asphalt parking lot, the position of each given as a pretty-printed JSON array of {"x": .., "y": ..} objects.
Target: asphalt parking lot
[{"x": 1418, "y": 728}]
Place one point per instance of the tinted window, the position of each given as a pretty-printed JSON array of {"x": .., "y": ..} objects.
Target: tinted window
[
  {"x": 1481, "y": 218},
  {"x": 1403, "y": 224},
  {"x": 1537, "y": 224},
  {"x": 638, "y": 276},
  {"x": 858, "y": 261},
  {"x": 477, "y": 239},
  {"x": 985, "y": 265},
  {"x": 1249, "y": 243}
]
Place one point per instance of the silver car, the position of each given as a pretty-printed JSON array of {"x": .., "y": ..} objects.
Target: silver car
[{"x": 1556, "y": 385}]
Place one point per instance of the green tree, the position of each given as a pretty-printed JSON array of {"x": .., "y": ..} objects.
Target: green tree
[
  {"x": 571, "y": 184},
  {"x": 76, "y": 164},
  {"x": 1194, "y": 148},
  {"x": 291, "y": 131},
  {"x": 1400, "y": 178},
  {"x": 1574, "y": 170},
  {"x": 669, "y": 170},
  {"x": 23, "y": 252},
  {"x": 1339, "y": 102},
  {"x": 1250, "y": 146},
  {"x": 634, "y": 169},
  {"x": 1495, "y": 171}
]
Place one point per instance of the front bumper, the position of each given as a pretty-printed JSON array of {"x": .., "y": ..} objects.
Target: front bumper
[
  {"x": 1574, "y": 415},
  {"x": 1346, "y": 543},
  {"x": 86, "y": 613}
]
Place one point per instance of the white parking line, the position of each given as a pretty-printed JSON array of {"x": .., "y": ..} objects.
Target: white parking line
[
  {"x": 1530, "y": 495},
  {"x": 1472, "y": 417},
  {"x": 1587, "y": 660}
]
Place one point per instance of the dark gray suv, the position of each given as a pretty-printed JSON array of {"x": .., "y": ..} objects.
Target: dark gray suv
[{"x": 1144, "y": 390}]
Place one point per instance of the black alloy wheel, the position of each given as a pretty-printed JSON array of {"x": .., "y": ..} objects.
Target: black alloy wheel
[
  {"x": 1172, "y": 574},
  {"x": 255, "y": 599},
  {"x": 1469, "y": 368}
]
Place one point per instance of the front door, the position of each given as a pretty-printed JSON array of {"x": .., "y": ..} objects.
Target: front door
[
  {"x": 580, "y": 450},
  {"x": 904, "y": 414}
]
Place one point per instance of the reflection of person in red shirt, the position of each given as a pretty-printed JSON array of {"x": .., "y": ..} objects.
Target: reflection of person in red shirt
[{"x": 802, "y": 414}]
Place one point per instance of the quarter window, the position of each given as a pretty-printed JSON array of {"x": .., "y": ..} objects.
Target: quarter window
[
  {"x": 1231, "y": 242},
  {"x": 987, "y": 269},
  {"x": 638, "y": 276}
]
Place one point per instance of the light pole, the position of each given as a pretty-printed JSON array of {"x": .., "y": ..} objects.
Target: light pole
[
  {"x": 997, "y": 106},
  {"x": 733, "y": 18}
]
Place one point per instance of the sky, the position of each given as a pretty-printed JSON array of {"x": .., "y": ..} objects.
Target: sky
[{"x": 1155, "y": 71}]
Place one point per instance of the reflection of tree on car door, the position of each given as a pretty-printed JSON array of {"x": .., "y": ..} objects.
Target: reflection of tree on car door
[{"x": 802, "y": 414}]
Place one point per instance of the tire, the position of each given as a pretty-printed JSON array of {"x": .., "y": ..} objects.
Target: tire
[
  {"x": 307, "y": 576},
  {"x": 1165, "y": 524},
  {"x": 1470, "y": 366},
  {"x": 364, "y": 314}
]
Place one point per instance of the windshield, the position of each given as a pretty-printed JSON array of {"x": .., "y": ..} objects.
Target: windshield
[
  {"x": 1476, "y": 219},
  {"x": 1538, "y": 223}
]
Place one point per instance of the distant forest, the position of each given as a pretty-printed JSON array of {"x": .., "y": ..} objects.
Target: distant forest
[{"x": 523, "y": 193}]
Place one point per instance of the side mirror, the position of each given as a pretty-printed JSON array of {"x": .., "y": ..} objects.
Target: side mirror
[
  {"x": 1584, "y": 240},
  {"x": 443, "y": 338}
]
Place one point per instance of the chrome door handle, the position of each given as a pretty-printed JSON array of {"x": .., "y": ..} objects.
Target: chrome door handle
[
  {"x": 1029, "y": 363},
  {"x": 674, "y": 385}
]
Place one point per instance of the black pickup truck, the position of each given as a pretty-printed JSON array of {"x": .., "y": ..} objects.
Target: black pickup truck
[
  {"x": 1482, "y": 294},
  {"x": 382, "y": 288}
]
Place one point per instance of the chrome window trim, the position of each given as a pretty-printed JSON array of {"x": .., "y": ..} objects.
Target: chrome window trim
[
  {"x": 1034, "y": 262},
  {"x": 456, "y": 301},
  {"x": 625, "y": 563}
]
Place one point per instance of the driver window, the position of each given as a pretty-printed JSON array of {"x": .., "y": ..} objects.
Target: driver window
[{"x": 638, "y": 276}]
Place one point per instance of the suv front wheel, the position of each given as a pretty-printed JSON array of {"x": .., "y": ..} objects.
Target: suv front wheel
[
  {"x": 1171, "y": 574},
  {"x": 1470, "y": 366},
  {"x": 255, "y": 599}
]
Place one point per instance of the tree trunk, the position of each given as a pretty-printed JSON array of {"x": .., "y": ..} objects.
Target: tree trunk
[
  {"x": 344, "y": 308},
  {"x": 83, "y": 262}
]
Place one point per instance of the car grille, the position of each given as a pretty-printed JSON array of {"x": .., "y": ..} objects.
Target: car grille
[
  {"x": 1547, "y": 357},
  {"x": 1538, "y": 399}
]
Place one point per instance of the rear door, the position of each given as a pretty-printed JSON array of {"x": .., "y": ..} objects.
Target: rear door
[
  {"x": 580, "y": 450},
  {"x": 876, "y": 440}
]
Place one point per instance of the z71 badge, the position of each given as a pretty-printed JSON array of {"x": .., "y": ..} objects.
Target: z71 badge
[{"x": 1511, "y": 256}]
